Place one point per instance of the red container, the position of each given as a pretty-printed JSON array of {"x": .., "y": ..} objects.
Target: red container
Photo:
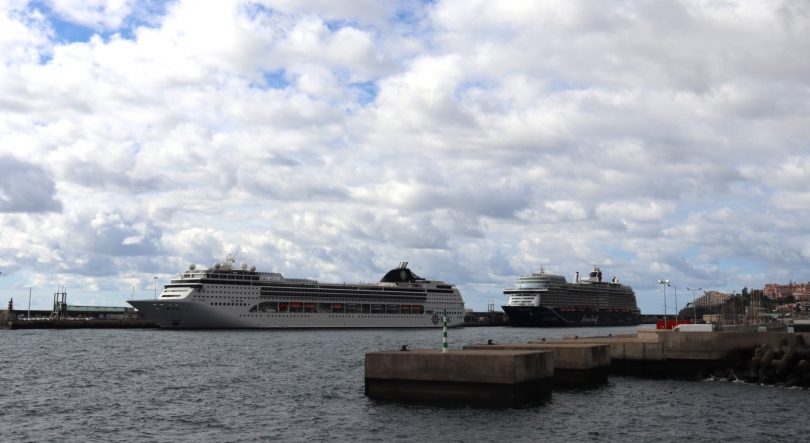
[{"x": 670, "y": 324}]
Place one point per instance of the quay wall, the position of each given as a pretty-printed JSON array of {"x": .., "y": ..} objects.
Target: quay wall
[
  {"x": 566, "y": 355},
  {"x": 77, "y": 324},
  {"x": 678, "y": 353},
  {"x": 508, "y": 378},
  {"x": 460, "y": 366},
  {"x": 574, "y": 363}
]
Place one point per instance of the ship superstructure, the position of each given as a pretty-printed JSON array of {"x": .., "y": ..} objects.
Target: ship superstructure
[
  {"x": 543, "y": 299},
  {"x": 225, "y": 297}
]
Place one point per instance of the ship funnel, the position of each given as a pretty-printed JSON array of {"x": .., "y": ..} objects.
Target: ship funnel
[{"x": 576, "y": 276}]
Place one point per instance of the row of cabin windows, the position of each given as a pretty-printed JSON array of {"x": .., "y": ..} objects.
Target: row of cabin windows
[
  {"x": 320, "y": 291},
  {"x": 290, "y": 315},
  {"x": 330, "y": 308},
  {"x": 337, "y": 308}
]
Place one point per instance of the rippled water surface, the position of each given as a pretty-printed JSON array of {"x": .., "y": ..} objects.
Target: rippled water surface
[{"x": 240, "y": 386}]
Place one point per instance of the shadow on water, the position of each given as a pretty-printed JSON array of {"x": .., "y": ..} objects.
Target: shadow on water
[{"x": 439, "y": 404}]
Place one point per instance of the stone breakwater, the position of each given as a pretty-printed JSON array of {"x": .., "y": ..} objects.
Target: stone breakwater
[{"x": 781, "y": 365}]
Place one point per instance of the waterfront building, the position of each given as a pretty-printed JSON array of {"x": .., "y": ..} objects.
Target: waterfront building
[
  {"x": 712, "y": 298},
  {"x": 799, "y": 291}
]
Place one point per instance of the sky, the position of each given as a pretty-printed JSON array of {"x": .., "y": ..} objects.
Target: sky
[{"x": 476, "y": 140}]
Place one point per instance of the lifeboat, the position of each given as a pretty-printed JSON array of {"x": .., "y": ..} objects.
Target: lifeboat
[
  {"x": 309, "y": 305},
  {"x": 417, "y": 307},
  {"x": 405, "y": 307},
  {"x": 282, "y": 305},
  {"x": 295, "y": 304},
  {"x": 337, "y": 305}
]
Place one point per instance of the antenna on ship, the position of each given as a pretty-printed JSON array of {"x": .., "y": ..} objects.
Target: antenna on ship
[{"x": 231, "y": 258}]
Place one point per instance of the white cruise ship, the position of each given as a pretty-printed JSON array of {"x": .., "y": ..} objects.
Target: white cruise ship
[{"x": 225, "y": 297}]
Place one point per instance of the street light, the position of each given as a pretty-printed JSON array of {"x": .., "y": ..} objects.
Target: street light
[
  {"x": 676, "y": 302},
  {"x": 694, "y": 309},
  {"x": 155, "y": 287},
  {"x": 665, "y": 283}
]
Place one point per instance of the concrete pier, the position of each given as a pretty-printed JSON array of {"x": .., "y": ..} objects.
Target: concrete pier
[
  {"x": 681, "y": 354},
  {"x": 574, "y": 363},
  {"x": 480, "y": 377},
  {"x": 78, "y": 324}
]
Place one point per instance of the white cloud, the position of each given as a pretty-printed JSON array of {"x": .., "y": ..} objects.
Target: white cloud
[{"x": 477, "y": 140}]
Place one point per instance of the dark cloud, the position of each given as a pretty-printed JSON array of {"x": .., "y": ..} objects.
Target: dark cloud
[{"x": 26, "y": 187}]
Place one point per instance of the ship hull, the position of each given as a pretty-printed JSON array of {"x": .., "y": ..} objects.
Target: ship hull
[
  {"x": 542, "y": 317},
  {"x": 195, "y": 315}
]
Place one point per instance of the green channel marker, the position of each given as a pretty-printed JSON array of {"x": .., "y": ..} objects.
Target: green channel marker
[{"x": 444, "y": 330}]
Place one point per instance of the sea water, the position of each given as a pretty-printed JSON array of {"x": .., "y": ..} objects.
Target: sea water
[{"x": 154, "y": 385}]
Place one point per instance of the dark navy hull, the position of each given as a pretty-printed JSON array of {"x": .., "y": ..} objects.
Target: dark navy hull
[{"x": 541, "y": 316}]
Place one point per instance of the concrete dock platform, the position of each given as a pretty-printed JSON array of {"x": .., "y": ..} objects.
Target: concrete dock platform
[
  {"x": 479, "y": 377},
  {"x": 663, "y": 353},
  {"x": 574, "y": 363},
  {"x": 78, "y": 324}
]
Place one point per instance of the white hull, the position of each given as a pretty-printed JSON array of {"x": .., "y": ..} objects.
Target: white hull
[{"x": 196, "y": 315}]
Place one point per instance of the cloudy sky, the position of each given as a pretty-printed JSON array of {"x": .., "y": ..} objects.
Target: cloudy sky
[{"x": 476, "y": 140}]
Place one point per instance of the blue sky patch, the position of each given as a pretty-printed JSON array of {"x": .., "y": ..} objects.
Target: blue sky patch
[
  {"x": 275, "y": 80},
  {"x": 366, "y": 92},
  {"x": 737, "y": 265},
  {"x": 410, "y": 13},
  {"x": 337, "y": 25},
  {"x": 146, "y": 13},
  {"x": 254, "y": 10},
  {"x": 65, "y": 31}
]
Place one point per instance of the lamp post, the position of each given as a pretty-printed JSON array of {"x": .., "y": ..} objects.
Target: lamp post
[
  {"x": 156, "y": 287},
  {"x": 710, "y": 298},
  {"x": 734, "y": 306},
  {"x": 676, "y": 302},
  {"x": 694, "y": 298},
  {"x": 665, "y": 283}
]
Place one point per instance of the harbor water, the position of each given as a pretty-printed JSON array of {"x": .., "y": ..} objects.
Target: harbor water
[{"x": 155, "y": 385}]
